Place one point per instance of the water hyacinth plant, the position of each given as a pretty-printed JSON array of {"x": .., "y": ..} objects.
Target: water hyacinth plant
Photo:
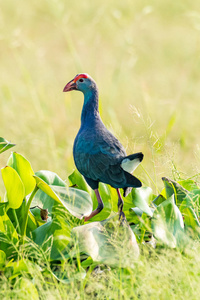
[{"x": 42, "y": 215}]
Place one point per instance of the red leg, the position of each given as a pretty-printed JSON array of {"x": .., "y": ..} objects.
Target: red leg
[{"x": 99, "y": 207}]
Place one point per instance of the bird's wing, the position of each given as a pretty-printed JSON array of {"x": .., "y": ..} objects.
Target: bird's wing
[{"x": 100, "y": 158}]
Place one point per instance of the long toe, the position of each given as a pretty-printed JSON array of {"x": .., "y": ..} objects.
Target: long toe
[{"x": 122, "y": 217}]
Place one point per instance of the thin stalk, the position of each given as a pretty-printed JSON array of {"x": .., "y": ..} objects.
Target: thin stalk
[
  {"x": 17, "y": 221},
  {"x": 25, "y": 221}
]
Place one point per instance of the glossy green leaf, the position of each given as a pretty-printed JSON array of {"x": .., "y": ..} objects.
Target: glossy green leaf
[
  {"x": 103, "y": 242},
  {"x": 14, "y": 187},
  {"x": 172, "y": 187},
  {"x": 24, "y": 169},
  {"x": 77, "y": 180},
  {"x": 77, "y": 202},
  {"x": 5, "y": 145},
  {"x": 42, "y": 233},
  {"x": 45, "y": 199},
  {"x": 141, "y": 197},
  {"x": 55, "y": 235},
  {"x": 41, "y": 184},
  {"x": 192, "y": 200},
  {"x": 50, "y": 178},
  {"x": 167, "y": 223},
  {"x": 158, "y": 200}
]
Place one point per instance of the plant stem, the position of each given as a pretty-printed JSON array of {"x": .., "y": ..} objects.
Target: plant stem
[
  {"x": 17, "y": 221},
  {"x": 25, "y": 220}
]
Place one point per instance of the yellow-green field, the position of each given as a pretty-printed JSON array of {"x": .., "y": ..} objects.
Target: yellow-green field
[{"x": 145, "y": 58}]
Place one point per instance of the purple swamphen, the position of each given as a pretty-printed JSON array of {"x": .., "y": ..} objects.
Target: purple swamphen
[{"x": 98, "y": 155}]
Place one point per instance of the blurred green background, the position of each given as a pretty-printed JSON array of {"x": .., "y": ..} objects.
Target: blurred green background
[{"x": 145, "y": 58}]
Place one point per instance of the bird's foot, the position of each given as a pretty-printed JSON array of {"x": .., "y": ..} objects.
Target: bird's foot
[
  {"x": 122, "y": 217},
  {"x": 95, "y": 212}
]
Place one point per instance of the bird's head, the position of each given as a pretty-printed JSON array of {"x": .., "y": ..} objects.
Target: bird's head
[{"x": 81, "y": 82}]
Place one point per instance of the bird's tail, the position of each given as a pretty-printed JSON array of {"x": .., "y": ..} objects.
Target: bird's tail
[
  {"x": 132, "y": 182},
  {"x": 130, "y": 162}
]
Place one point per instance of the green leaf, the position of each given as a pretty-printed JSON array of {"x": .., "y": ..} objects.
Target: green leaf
[
  {"x": 24, "y": 169},
  {"x": 167, "y": 224},
  {"x": 20, "y": 214},
  {"x": 76, "y": 179},
  {"x": 103, "y": 242},
  {"x": 77, "y": 202},
  {"x": 87, "y": 262},
  {"x": 50, "y": 178},
  {"x": 172, "y": 187},
  {"x": 27, "y": 289},
  {"x": 79, "y": 275},
  {"x": 32, "y": 223},
  {"x": 22, "y": 266},
  {"x": 133, "y": 215},
  {"x": 35, "y": 212},
  {"x": 5, "y": 223},
  {"x": 2, "y": 259},
  {"x": 8, "y": 234},
  {"x": 5, "y": 145},
  {"x": 158, "y": 200},
  {"x": 141, "y": 197},
  {"x": 45, "y": 199},
  {"x": 188, "y": 184},
  {"x": 190, "y": 219},
  {"x": 192, "y": 200},
  {"x": 14, "y": 187},
  {"x": 55, "y": 235},
  {"x": 42, "y": 233},
  {"x": 190, "y": 210}
]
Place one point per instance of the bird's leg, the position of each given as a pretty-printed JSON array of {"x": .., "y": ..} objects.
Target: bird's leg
[
  {"x": 120, "y": 206},
  {"x": 99, "y": 207}
]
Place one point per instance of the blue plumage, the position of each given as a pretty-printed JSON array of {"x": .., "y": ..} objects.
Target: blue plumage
[{"x": 98, "y": 155}]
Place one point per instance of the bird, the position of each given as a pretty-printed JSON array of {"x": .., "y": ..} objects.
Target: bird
[{"x": 98, "y": 155}]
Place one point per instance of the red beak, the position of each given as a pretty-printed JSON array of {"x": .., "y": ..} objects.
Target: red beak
[{"x": 70, "y": 86}]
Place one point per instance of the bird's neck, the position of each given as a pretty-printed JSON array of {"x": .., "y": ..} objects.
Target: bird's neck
[{"x": 90, "y": 109}]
